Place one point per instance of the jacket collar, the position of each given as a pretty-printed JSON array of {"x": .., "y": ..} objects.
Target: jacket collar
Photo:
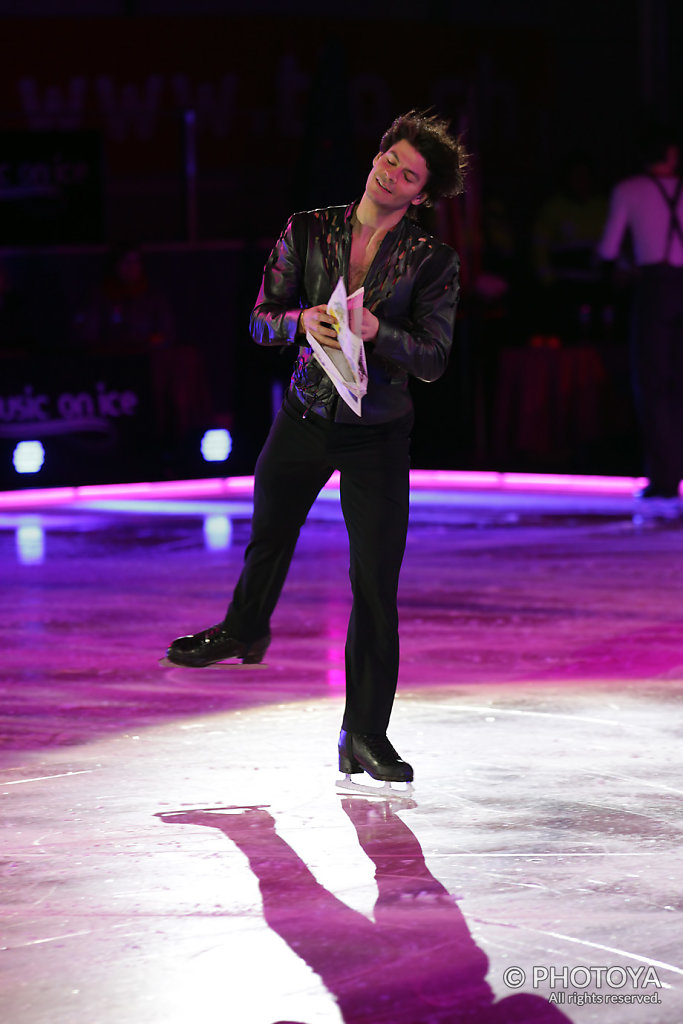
[{"x": 350, "y": 210}]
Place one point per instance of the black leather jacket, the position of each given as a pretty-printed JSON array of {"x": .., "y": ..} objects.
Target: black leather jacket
[{"x": 411, "y": 287}]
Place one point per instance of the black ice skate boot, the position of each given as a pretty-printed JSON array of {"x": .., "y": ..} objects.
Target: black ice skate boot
[
  {"x": 215, "y": 644},
  {"x": 372, "y": 753}
]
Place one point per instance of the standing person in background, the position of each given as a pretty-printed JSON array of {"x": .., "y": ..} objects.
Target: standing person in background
[
  {"x": 129, "y": 315},
  {"x": 126, "y": 314},
  {"x": 649, "y": 206},
  {"x": 567, "y": 229},
  {"x": 410, "y": 283}
]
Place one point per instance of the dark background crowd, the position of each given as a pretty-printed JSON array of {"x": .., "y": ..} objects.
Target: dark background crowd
[{"x": 151, "y": 152}]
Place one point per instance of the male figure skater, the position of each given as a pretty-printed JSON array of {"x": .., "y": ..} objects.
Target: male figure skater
[{"x": 410, "y": 283}]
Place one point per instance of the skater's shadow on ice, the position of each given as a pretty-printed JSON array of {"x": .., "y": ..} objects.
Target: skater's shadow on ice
[{"x": 415, "y": 962}]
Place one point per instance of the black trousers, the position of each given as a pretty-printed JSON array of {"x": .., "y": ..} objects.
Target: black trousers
[
  {"x": 657, "y": 366},
  {"x": 297, "y": 459}
]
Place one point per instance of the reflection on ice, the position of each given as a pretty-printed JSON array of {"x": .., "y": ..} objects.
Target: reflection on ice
[
  {"x": 217, "y": 532},
  {"x": 30, "y": 540}
]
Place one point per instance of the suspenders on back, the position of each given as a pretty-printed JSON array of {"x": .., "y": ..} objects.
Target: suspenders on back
[{"x": 675, "y": 226}]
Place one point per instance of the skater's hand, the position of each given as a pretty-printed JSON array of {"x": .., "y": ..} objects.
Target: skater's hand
[
  {"x": 369, "y": 325},
  {"x": 317, "y": 321}
]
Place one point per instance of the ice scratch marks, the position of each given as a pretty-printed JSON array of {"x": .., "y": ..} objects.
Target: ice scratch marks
[
  {"x": 45, "y": 778},
  {"x": 612, "y": 949}
]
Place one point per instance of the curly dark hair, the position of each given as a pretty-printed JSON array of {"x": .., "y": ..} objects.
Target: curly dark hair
[{"x": 444, "y": 154}]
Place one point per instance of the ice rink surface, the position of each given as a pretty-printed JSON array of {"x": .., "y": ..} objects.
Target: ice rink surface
[{"x": 174, "y": 848}]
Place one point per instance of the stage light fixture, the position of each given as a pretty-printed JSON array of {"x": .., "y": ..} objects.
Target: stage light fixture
[
  {"x": 216, "y": 445},
  {"x": 28, "y": 457}
]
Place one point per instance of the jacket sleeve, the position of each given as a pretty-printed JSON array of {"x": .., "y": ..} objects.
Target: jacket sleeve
[
  {"x": 275, "y": 316},
  {"x": 421, "y": 342}
]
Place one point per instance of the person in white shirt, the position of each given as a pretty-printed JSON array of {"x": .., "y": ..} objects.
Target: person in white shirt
[{"x": 649, "y": 207}]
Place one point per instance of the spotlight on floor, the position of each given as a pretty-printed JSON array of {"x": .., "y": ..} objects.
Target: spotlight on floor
[
  {"x": 216, "y": 445},
  {"x": 28, "y": 457}
]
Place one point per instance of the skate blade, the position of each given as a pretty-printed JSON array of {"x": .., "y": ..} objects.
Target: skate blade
[
  {"x": 167, "y": 663},
  {"x": 375, "y": 788}
]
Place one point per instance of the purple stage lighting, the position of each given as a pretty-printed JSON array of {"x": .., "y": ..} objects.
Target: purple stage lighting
[
  {"x": 28, "y": 457},
  {"x": 216, "y": 445}
]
